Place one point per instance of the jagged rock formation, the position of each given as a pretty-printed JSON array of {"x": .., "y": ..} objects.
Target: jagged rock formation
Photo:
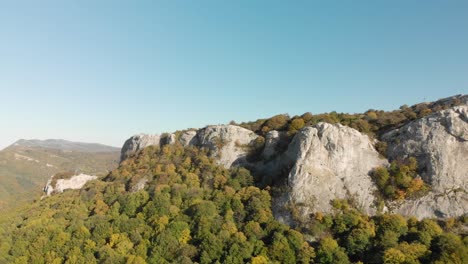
[
  {"x": 188, "y": 138},
  {"x": 228, "y": 143},
  {"x": 59, "y": 185},
  {"x": 326, "y": 162},
  {"x": 332, "y": 162},
  {"x": 138, "y": 142},
  {"x": 440, "y": 144}
]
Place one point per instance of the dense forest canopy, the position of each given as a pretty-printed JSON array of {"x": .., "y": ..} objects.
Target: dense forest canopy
[{"x": 175, "y": 205}]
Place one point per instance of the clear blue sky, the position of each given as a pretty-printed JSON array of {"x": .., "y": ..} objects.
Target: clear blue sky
[{"x": 100, "y": 71}]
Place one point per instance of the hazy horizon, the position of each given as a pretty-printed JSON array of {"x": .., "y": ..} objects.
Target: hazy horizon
[{"x": 100, "y": 72}]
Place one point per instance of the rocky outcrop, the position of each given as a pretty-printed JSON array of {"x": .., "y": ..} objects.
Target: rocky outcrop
[
  {"x": 188, "y": 138},
  {"x": 138, "y": 142},
  {"x": 141, "y": 141},
  {"x": 327, "y": 162},
  {"x": 439, "y": 142},
  {"x": 332, "y": 162},
  {"x": 452, "y": 203},
  {"x": 74, "y": 182},
  {"x": 228, "y": 143}
]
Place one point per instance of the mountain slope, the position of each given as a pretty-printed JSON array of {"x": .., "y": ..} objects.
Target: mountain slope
[
  {"x": 64, "y": 145},
  {"x": 209, "y": 196},
  {"x": 191, "y": 210},
  {"x": 333, "y": 156},
  {"x": 26, "y": 165}
]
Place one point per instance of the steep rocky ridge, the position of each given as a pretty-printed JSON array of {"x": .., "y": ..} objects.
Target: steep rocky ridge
[
  {"x": 138, "y": 142},
  {"x": 440, "y": 144},
  {"x": 324, "y": 162},
  {"x": 228, "y": 143},
  {"x": 328, "y": 161}
]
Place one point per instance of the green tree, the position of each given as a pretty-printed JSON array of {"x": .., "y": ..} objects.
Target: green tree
[{"x": 329, "y": 252}]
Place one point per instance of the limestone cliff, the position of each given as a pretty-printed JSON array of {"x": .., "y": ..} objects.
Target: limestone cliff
[
  {"x": 326, "y": 162},
  {"x": 229, "y": 144},
  {"x": 440, "y": 144},
  {"x": 74, "y": 182},
  {"x": 332, "y": 162},
  {"x": 138, "y": 142}
]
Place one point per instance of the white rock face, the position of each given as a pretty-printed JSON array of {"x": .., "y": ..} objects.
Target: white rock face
[
  {"x": 75, "y": 182},
  {"x": 228, "y": 143},
  {"x": 138, "y": 142},
  {"x": 332, "y": 162},
  {"x": 440, "y": 144},
  {"x": 188, "y": 138},
  {"x": 436, "y": 205}
]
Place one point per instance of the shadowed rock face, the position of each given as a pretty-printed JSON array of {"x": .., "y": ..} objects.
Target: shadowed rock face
[
  {"x": 332, "y": 162},
  {"x": 189, "y": 138},
  {"x": 440, "y": 144},
  {"x": 272, "y": 140}
]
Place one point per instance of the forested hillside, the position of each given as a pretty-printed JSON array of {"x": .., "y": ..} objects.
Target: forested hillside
[
  {"x": 26, "y": 166},
  {"x": 176, "y": 205}
]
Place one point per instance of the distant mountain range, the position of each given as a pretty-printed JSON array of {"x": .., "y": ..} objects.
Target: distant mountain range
[
  {"x": 26, "y": 165},
  {"x": 64, "y": 145}
]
